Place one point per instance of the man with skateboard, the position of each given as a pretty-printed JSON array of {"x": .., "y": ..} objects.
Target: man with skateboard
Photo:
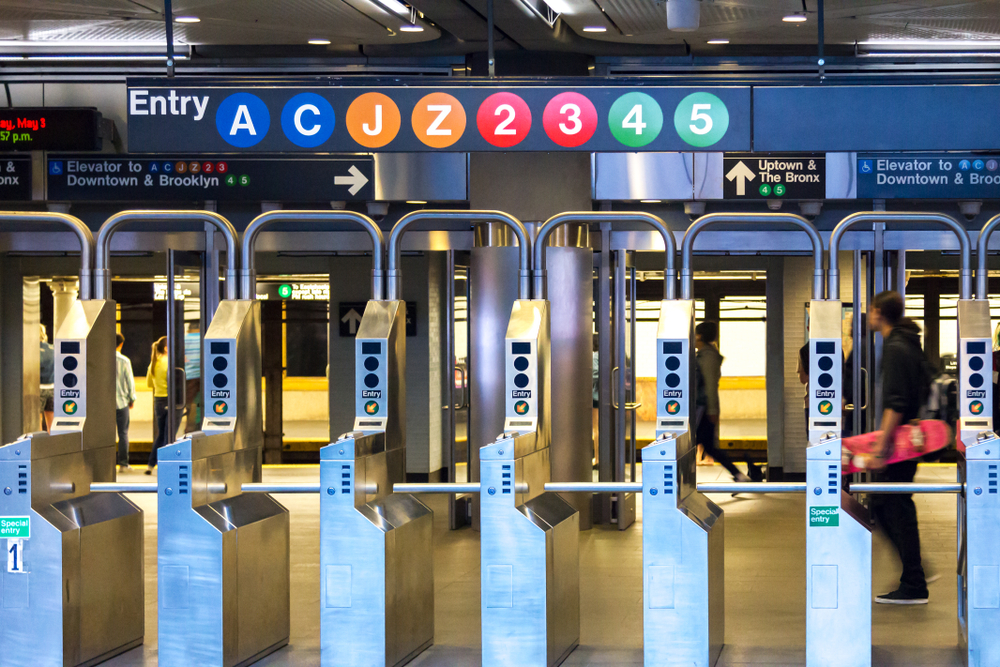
[{"x": 905, "y": 385}]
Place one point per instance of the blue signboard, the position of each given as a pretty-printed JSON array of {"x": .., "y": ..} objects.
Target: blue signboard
[
  {"x": 876, "y": 118},
  {"x": 928, "y": 176},
  {"x": 164, "y": 117}
]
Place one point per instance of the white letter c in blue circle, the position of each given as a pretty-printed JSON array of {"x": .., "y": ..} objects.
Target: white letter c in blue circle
[
  {"x": 242, "y": 120},
  {"x": 307, "y": 120}
]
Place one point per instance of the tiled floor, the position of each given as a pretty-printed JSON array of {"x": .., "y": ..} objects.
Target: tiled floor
[{"x": 765, "y": 587}]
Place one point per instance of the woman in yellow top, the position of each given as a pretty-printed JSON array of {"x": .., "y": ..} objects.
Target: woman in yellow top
[{"x": 156, "y": 379}]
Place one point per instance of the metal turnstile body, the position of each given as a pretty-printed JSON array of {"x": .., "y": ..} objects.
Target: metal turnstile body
[
  {"x": 683, "y": 560},
  {"x": 529, "y": 547},
  {"x": 223, "y": 560},
  {"x": 979, "y": 506},
  {"x": 376, "y": 547},
  {"x": 77, "y": 595},
  {"x": 838, "y": 533}
]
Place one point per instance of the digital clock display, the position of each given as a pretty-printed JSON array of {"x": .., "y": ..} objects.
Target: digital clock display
[{"x": 50, "y": 128}]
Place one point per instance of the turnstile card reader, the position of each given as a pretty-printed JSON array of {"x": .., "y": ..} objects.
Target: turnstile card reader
[
  {"x": 74, "y": 595},
  {"x": 979, "y": 552},
  {"x": 85, "y": 382},
  {"x": 838, "y": 536},
  {"x": 529, "y": 549},
  {"x": 223, "y": 555},
  {"x": 675, "y": 386},
  {"x": 975, "y": 370},
  {"x": 826, "y": 369},
  {"x": 376, "y": 546},
  {"x": 683, "y": 559}
]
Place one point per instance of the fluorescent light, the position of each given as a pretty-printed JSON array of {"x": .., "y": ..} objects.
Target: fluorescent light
[
  {"x": 187, "y": 19},
  {"x": 10, "y": 44},
  {"x": 905, "y": 44},
  {"x": 416, "y": 203},
  {"x": 319, "y": 42},
  {"x": 718, "y": 41},
  {"x": 794, "y": 18},
  {"x": 411, "y": 27},
  {"x": 595, "y": 28},
  {"x": 95, "y": 56},
  {"x": 395, "y": 6},
  {"x": 650, "y": 201}
]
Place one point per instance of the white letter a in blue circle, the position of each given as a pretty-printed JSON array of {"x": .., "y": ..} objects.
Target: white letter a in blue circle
[{"x": 243, "y": 121}]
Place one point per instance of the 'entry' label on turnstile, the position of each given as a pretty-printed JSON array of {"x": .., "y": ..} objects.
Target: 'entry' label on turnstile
[
  {"x": 824, "y": 517},
  {"x": 15, "y": 527}
]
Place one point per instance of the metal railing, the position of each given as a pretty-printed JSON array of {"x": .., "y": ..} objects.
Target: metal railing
[{"x": 83, "y": 234}]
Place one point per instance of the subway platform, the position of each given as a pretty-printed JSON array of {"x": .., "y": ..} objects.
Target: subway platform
[{"x": 765, "y": 585}]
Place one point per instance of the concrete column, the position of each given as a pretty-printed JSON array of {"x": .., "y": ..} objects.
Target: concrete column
[{"x": 64, "y": 293}]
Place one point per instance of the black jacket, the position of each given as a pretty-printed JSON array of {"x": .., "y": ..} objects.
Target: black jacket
[{"x": 904, "y": 374}]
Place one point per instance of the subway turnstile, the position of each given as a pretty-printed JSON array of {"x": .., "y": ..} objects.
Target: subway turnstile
[
  {"x": 376, "y": 553},
  {"x": 838, "y": 533},
  {"x": 223, "y": 560},
  {"x": 76, "y": 595}
]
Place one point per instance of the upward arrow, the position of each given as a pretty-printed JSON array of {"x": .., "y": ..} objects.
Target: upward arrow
[
  {"x": 356, "y": 180},
  {"x": 353, "y": 320},
  {"x": 742, "y": 174}
]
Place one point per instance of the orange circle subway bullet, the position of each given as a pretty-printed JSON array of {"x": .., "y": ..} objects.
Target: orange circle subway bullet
[
  {"x": 373, "y": 120},
  {"x": 438, "y": 120}
]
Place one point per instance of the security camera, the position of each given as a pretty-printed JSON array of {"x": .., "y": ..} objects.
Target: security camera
[
  {"x": 377, "y": 210},
  {"x": 970, "y": 209},
  {"x": 695, "y": 209},
  {"x": 811, "y": 209}
]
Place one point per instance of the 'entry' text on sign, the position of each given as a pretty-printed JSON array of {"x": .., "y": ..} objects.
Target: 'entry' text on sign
[{"x": 15, "y": 527}]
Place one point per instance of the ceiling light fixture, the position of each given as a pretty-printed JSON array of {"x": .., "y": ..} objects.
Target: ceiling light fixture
[
  {"x": 187, "y": 19},
  {"x": 412, "y": 26},
  {"x": 921, "y": 44},
  {"x": 319, "y": 42},
  {"x": 650, "y": 201},
  {"x": 794, "y": 18},
  {"x": 595, "y": 28},
  {"x": 718, "y": 41},
  {"x": 416, "y": 202}
]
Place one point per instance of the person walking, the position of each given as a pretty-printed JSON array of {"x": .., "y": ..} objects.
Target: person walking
[
  {"x": 156, "y": 378},
  {"x": 192, "y": 374},
  {"x": 46, "y": 378},
  {"x": 905, "y": 386},
  {"x": 709, "y": 369},
  {"x": 124, "y": 399}
]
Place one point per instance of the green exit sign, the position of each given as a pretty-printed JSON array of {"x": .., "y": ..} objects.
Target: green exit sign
[{"x": 16, "y": 527}]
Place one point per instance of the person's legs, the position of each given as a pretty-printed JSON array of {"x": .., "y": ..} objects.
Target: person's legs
[
  {"x": 707, "y": 438},
  {"x": 897, "y": 515},
  {"x": 192, "y": 423},
  {"x": 122, "y": 421},
  {"x": 160, "y": 415}
]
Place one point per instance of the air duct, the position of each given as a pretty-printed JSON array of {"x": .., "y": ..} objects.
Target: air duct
[{"x": 683, "y": 15}]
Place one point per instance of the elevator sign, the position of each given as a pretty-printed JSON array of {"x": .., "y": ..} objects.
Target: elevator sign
[
  {"x": 778, "y": 176},
  {"x": 929, "y": 176}
]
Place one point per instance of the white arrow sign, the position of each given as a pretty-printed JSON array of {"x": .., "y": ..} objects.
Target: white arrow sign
[
  {"x": 356, "y": 180},
  {"x": 353, "y": 320},
  {"x": 742, "y": 174}
]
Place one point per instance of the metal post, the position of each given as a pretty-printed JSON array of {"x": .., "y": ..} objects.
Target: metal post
[
  {"x": 171, "y": 348},
  {"x": 490, "y": 55},
  {"x": 168, "y": 19},
  {"x": 605, "y": 470}
]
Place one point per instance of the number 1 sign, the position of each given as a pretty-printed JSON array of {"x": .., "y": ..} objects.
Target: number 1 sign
[{"x": 15, "y": 556}]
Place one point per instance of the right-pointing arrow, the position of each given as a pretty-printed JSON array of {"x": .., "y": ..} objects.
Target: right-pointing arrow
[
  {"x": 356, "y": 180},
  {"x": 742, "y": 174}
]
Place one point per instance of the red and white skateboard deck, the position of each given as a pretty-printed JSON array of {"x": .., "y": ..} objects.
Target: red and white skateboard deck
[{"x": 911, "y": 441}]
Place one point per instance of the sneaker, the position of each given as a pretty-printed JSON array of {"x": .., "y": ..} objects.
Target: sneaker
[
  {"x": 124, "y": 468},
  {"x": 899, "y": 597}
]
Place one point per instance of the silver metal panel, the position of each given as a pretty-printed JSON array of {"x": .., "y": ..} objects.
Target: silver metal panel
[
  {"x": 682, "y": 560},
  {"x": 380, "y": 377},
  {"x": 675, "y": 379},
  {"x": 838, "y": 565},
  {"x": 841, "y": 175},
  {"x": 979, "y": 574},
  {"x": 825, "y": 369},
  {"x": 975, "y": 363},
  {"x": 708, "y": 175},
  {"x": 31, "y": 404},
  {"x": 62, "y": 611},
  {"x": 433, "y": 177},
  {"x": 636, "y": 176},
  {"x": 376, "y": 565}
]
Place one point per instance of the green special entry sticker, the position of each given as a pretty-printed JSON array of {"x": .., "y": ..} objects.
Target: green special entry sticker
[
  {"x": 70, "y": 407},
  {"x": 701, "y": 119},
  {"x": 976, "y": 407},
  {"x": 15, "y": 527},
  {"x": 635, "y": 119},
  {"x": 220, "y": 407},
  {"x": 371, "y": 408},
  {"x": 824, "y": 517},
  {"x": 825, "y": 407}
]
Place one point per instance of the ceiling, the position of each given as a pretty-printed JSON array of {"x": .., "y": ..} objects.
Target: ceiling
[{"x": 636, "y": 27}]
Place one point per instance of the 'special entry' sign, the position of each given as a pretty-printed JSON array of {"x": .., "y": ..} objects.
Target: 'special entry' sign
[{"x": 164, "y": 117}]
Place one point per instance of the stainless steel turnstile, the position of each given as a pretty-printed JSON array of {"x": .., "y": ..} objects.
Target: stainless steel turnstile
[{"x": 72, "y": 592}]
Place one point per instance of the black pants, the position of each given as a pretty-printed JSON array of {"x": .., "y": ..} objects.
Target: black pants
[
  {"x": 706, "y": 435},
  {"x": 122, "y": 420},
  {"x": 897, "y": 514}
]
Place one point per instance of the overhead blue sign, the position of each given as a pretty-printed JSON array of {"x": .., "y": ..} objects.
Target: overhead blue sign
[{"x": 928, "y": 176}]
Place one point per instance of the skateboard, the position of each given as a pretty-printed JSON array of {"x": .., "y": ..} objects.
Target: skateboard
[{"x": 911, "y": 441}]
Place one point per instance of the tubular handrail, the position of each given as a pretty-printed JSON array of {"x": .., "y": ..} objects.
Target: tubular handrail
[
  {"x": 83, "y": 234},
  {"x": 102, "y": 270},
  {"x": 699, "y": 225},
  {"x": 965, "y": 246},
  {"x": 982, "y": 276},
  {"x": 571, "y": 217},
  {"x": 248, "y": 274},
  {"x": 473, "y": 216}
]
